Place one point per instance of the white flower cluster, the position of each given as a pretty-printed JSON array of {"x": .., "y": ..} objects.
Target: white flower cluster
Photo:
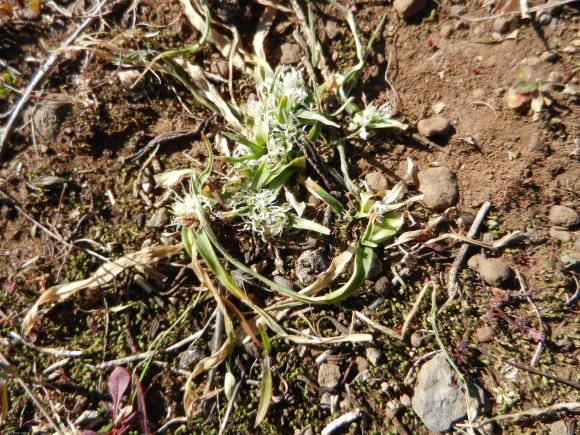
[
  {"x": 370, "y": 117},
  {"x": 259, "y": 211}
]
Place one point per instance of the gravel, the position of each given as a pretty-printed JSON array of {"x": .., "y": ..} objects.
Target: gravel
[
  {"x": 408, "y": 8},
  {"x": 433, "y": 126},
  {"x": 492, "y": 270},
  {"x": 440, "y": 188}
]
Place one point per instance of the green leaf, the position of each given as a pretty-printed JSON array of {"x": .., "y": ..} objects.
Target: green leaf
[
  {"x": 313, "y": 116},
  {"x": 187, "y": 239},
  {"x": 523, "y": 71},
  {"x": 317, "y": 190},
  {"x": 282, "y": 109},
  {"x": 305, "y": 224},
  {"x": 265, "y": 340},
  {"x": 344, "y": 168},
  {"x": 266, "y": 391},
  {"x": 384, "y": 228},
  {"x": 528, "y": 87},
  {"x": 256, "y": 149}
]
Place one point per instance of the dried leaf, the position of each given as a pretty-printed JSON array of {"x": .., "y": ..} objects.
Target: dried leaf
[
  {"x": 266, "y": 20},
  {"x": 119, "y": 381},
  {"x": 170, "y": 178},
  {"x": 142, "y": 408},
  {"x": 104, "y": 274},
  {"x": 266, "y": 391}
]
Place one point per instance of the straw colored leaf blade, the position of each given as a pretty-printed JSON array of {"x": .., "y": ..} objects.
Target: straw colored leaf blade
[
  {"x": 306, "y": 224},
  {"x": 317, "y": 190},
  {"x": 266, "y": 391},
  {"x": 104, "y": 274}
]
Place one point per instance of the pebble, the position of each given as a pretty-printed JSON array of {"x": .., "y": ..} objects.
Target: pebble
[
  {"x": 504, "y": 24},
  {"x": 446, "y": 30},
  {"x": 438, "y": 107},
  {"x": 376, "y": 267},
  {"x": 492, "y": 270},
  {"x": 408, "y": 8},
  {"x": 562, "y": 235},
  {"x": 290, "y": 53},
  {"x": 434, "y": 126},
  {"x": 485, "y": 334},
  {"x": 549, "y": 56},
  {"x": 438, "y": 399},
  {"x": 309, "y": 265},
  {"x": 48, "y": 120},
  {"x": 382, "y": 286},
  {"x": 563, "y": 217},
  {"x": 159, "y": 218},
  {"x": 331, "y": 29},
  {"x": 329, "y": 375},
  {"x": 405, "y": 400},
  {"x": 373, "y": 355},
  {"x": 376, "y": 181},
  {"x": 440, "y": 188},
  {"x": 417, "y": 339},
  {"x": 189, "y": 359},
  {"x": 544, "y": 19},
  {"x": 361, "y": 364}
]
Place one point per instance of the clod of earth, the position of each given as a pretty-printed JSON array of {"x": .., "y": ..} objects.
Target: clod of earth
[
  {"x": 440, "y": 188},
  {"x": 492, "y": 270},
  {"x": 439, "y": 399},
  {"x": 485, "y": 334},
  {"x": 376, "y": 181},
  {"x": 329, "y": 375},
  {"x": 562, "y": 216}
]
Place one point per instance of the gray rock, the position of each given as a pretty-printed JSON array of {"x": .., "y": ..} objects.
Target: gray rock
[
  {"x": 439, "y": 398},
  {"x": 331, "y": 29},
  {"x": 376, "y": 181},
  {"x": 440, "y": 188},
  {"x": 329, "y": 375},
  {"x": 405, "y": 400},
  {"x": 189, "y": 359},
  {"x": 408, "y": 8},
  {"x": 434, "y": 126},
  {"x": 562, "y": 235},
  {"x": 505, "y": 24},
  {"x": 544, "y": 18},
  {"x": 159, "y": 218},
  {"x": 361, "y": 364},
  {"x": 309, "y": 265},
  {"x": 492, "y": 270},
  {"x": 382, "y": 285},
  {"x": 373, "y": 355},
  {"x": 562, "y": 216},
  {"x": 485, "y": 334},
  {"x": 549, "y": 56},
  {"x": 47, "y": 120},
  {"x": 290, "y": 53},
  {"x": 376, "y": 267},
  {"x": 417, "y": 339}
]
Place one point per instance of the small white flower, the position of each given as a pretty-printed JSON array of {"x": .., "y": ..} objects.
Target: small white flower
[{"x": 372, "y": 117}]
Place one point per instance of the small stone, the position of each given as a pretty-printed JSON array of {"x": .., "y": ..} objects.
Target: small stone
[
  {"x": 47, "y": 120},
  {"x": 440, "y": 188},
  {"x": 562, "y": 216},
  {"x": 361, "y": 364},
  {"x": 505, "y": 24},
  {"x": 544, "y": 18},
  {"x": 485, "y": 334},
  {"x": 549, "y": 56},
  {"x": 219, "y": 67},
  {"x": 331, "y": 29},
  {"x": 376, "y": 181},
  {"x": 446, "y": 30},
  {"x": 492, "y": 270},
  {"x": 325, "y": 400},
  {"x": 309, "y": 265},
  {"x": 562, "y": 235},
  {"x": 439, "y": 399},
  {"x": 329, "y": 375},
  {"x": 382, "y": 286},
  {"x": 417, "y": 339},
  {"x": 189, "y": 359},
  {"x": 373, "y": 355},
  {"x": 438, "y": 107},
  {"x": 408, "y": 8},
  {"x": 159, "y": 218},
  {"x": 405, "y": 400},
  {"x": 290, "y": 53},
  {"x": 558, "y": 428},
  {"x": 434, "y": 126}
]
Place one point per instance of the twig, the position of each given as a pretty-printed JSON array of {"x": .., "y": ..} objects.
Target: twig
[
  {"x": 172, "y": 422},
  {"x": 536, "y": 371},
  {"x": 58, "y": 353},
  {"x": 533, "y": 412},
  {"x": 460, "y": 258},
  {"x": 343, "y": 420},
  {"x": 46, "y": 66},
  {"x": 524, "y": 290}
]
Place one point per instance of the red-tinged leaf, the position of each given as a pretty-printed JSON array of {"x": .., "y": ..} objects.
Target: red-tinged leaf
[
  {"x": 435, "y": 247},
  {"x": 141, "y": 405},
  {"x": 119, "y": 381}
]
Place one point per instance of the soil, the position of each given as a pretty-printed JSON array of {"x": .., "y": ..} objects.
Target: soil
[{"x": 68, "y": 184}]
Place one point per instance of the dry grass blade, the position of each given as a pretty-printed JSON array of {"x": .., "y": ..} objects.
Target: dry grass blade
[
  {"x": 349, "y": 338},
  {"x": 104, "y": 274},
  {"x": 266, "y": 20},
  {"x": 221, "y": 42}
]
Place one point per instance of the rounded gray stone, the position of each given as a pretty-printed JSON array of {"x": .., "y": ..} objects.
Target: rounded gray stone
[
  {"x": 376, "y": 181},
  {"x": 440, "y": 188},
  {"x": 439, "y": 398},
  {"x": 309, "y": 265},
  {"x": 159, "y": 218},
  {"x": 562, "y": 235},
  {"x": 408, "y": 8},
  {"x": 492, "y": 270},
  {"x": 562, "y": 216},
  {"x": 433, "y": 126},
  {"x": 329, "y": 375},
  {"x": 485, "y": 334}
]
